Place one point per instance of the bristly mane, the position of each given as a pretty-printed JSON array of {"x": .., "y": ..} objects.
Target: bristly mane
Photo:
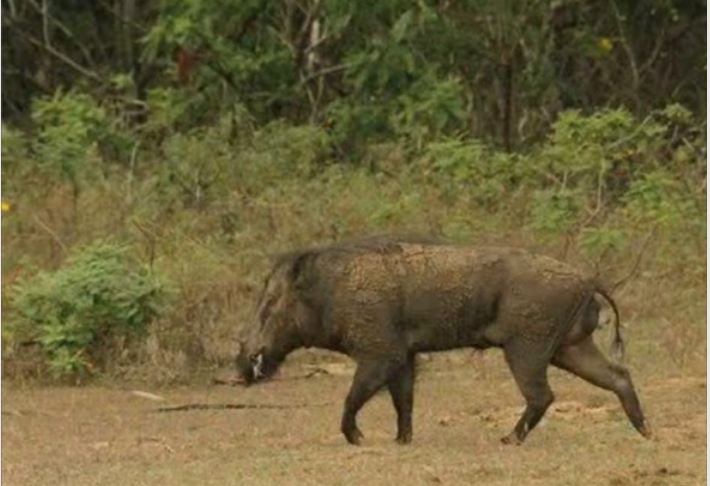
[{"x": 378, "y": 243}]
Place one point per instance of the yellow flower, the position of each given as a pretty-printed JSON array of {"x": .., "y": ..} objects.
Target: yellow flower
[
  {"x": 5, "y": 206},
  {"x": 605, "y": 44}
]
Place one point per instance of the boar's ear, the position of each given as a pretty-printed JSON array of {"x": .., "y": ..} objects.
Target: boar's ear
[{"x": 301, "y": 273}]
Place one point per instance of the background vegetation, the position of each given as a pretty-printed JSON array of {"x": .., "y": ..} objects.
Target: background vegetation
[{"x": 156, "y": 153}]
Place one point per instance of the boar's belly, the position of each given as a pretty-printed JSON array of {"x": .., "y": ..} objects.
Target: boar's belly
[{"x": 437, "y": 323}]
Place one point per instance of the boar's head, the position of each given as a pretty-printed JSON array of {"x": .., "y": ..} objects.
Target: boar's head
[{"x": 281, "y": 322}]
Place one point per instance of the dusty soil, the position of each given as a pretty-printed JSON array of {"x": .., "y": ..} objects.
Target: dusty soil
[{"x": 287, "y": 432}]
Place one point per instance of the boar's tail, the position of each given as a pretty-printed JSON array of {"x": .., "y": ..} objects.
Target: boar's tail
[{"x": 617, "y": 345}]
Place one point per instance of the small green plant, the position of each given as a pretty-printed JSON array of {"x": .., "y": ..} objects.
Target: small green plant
[
  {"x": 72, "y": 130},
  {"x": 429, "y": 109},
  {"x": 470, "y": 167},
  {"x": 658, "y": 198},
  {"x": 97, "y": 295},
  {"x": 196, "y": 168},
  {"x": 554, "y": 211},
  {"x": 596, "y": 242}
]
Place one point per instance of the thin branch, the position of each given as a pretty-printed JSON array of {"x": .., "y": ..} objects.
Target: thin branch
[
  {"x": 221, "y": 72},
  {"x": 59, "y": 55},
  {"x": 660, "y": 39},
  {"x": 121, "y": 18},
  {"x": 45, "y": 22},
  {"x": 151, "y": 237},
  {"x": 591, "y": 215},
  {"x": 627, "y": 48},
  {"x": 65, "y": 30},
  {"x": 631, "y": 136},
  {"x": 325, "y": 71},
  {"x": 50, "y": 232},
  {"x": 129, "y": 188},
  {"x": 319, "y": 40},
  {"x": 639, "y": 257},
  {"x": 13, "y": 9}
]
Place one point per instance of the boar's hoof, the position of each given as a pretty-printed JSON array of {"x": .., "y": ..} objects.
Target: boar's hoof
[
  {"x": 354, "y": 436},
  {"x": 646, "y": 431},
  {"x": 404, "y": 438},
  {"x": 511, "y": 439}
]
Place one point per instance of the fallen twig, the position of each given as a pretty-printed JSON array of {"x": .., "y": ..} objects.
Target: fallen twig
[
  {"x": 236, "y": 406},
  {"x": 313, "y": 371},
  {"x": 149, "y": 396}
]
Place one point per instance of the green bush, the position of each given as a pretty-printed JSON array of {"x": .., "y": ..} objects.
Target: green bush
[
  {"x": 428, "y": 110},
  {"x": 215, "y": 200},
  {"x": 659, "y": 198},
  {"x": 196, "y": 168},
  {"x": 471, "y": 168},
  {"x": 286, "y": 151},
  {"x": 596, "y": 242},
  {"x": 98, "y": 295},
  {"x": 15, "y": 158},
  {"x": 73, "y": 131},
  {"x": 554, "y": 212}
]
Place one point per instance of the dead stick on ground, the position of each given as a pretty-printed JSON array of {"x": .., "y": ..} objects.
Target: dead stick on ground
[{"x": 234, "y": 406}]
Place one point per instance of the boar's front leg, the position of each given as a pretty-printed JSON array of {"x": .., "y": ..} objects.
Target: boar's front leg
[
  {"x": 401, "y": 387},
  {"x": 371, "y": 375},
  {"x": 529, "y": 368}
]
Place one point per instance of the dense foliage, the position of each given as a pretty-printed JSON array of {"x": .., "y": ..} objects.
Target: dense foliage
[
  {"x": 203, "y": 136},
  {"x": 96, "y": 297},
  {"x": 487, "y": 69}
]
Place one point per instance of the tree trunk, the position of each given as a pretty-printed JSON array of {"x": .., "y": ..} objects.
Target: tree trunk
[{"x": 507, "y": 103}]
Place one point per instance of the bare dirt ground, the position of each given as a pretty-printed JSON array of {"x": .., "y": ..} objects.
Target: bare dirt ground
[{"x": 464, "y": 403}]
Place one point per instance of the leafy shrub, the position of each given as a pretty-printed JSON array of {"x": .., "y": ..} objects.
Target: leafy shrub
[
  {"x": 72, "y": 127},
  {"x": 429, "y": 109},
  {"x": 169, "y": 110},
  {"x": 396, "y": 98},
  {"x": 196, "y": 169},
  {"x": 598, "y": 241},
  {"x": 280, "y": 152},
  {"x": 553, "y": 212},
  {"x": 470, "y": 167},
  {"x": 353, "y": 125},
  {"x": 659, "y": 198},
  {"x": 235, "y": 190},
  {"x": 67, "y": 135},
  {"x": 15, "y": 154},
  {"x": 98, "y": 295},
  {"x": 574, "y": 154},
  {"x": 293, "y": 150}
]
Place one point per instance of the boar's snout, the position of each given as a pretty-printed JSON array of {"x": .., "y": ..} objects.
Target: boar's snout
[
  {"x": 256, "y": 367},
  {"x": 249, "y": 366}
]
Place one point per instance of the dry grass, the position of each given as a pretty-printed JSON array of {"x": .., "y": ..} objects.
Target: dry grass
[{"x": 464, "y": 403}]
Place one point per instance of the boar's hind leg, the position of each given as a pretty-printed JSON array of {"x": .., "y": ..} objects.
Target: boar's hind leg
[
  {"x": 530, "y": 373},
  {"x": 370, "y": 376},
  {"x": 401, "y": 387},
  {"x": 586, "y": 361}
]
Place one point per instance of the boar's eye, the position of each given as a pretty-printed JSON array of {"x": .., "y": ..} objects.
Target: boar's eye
[{"x": 266, "y": 310}]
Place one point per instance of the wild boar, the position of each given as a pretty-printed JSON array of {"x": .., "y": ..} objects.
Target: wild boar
[{"x": 382, "y": 301}]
